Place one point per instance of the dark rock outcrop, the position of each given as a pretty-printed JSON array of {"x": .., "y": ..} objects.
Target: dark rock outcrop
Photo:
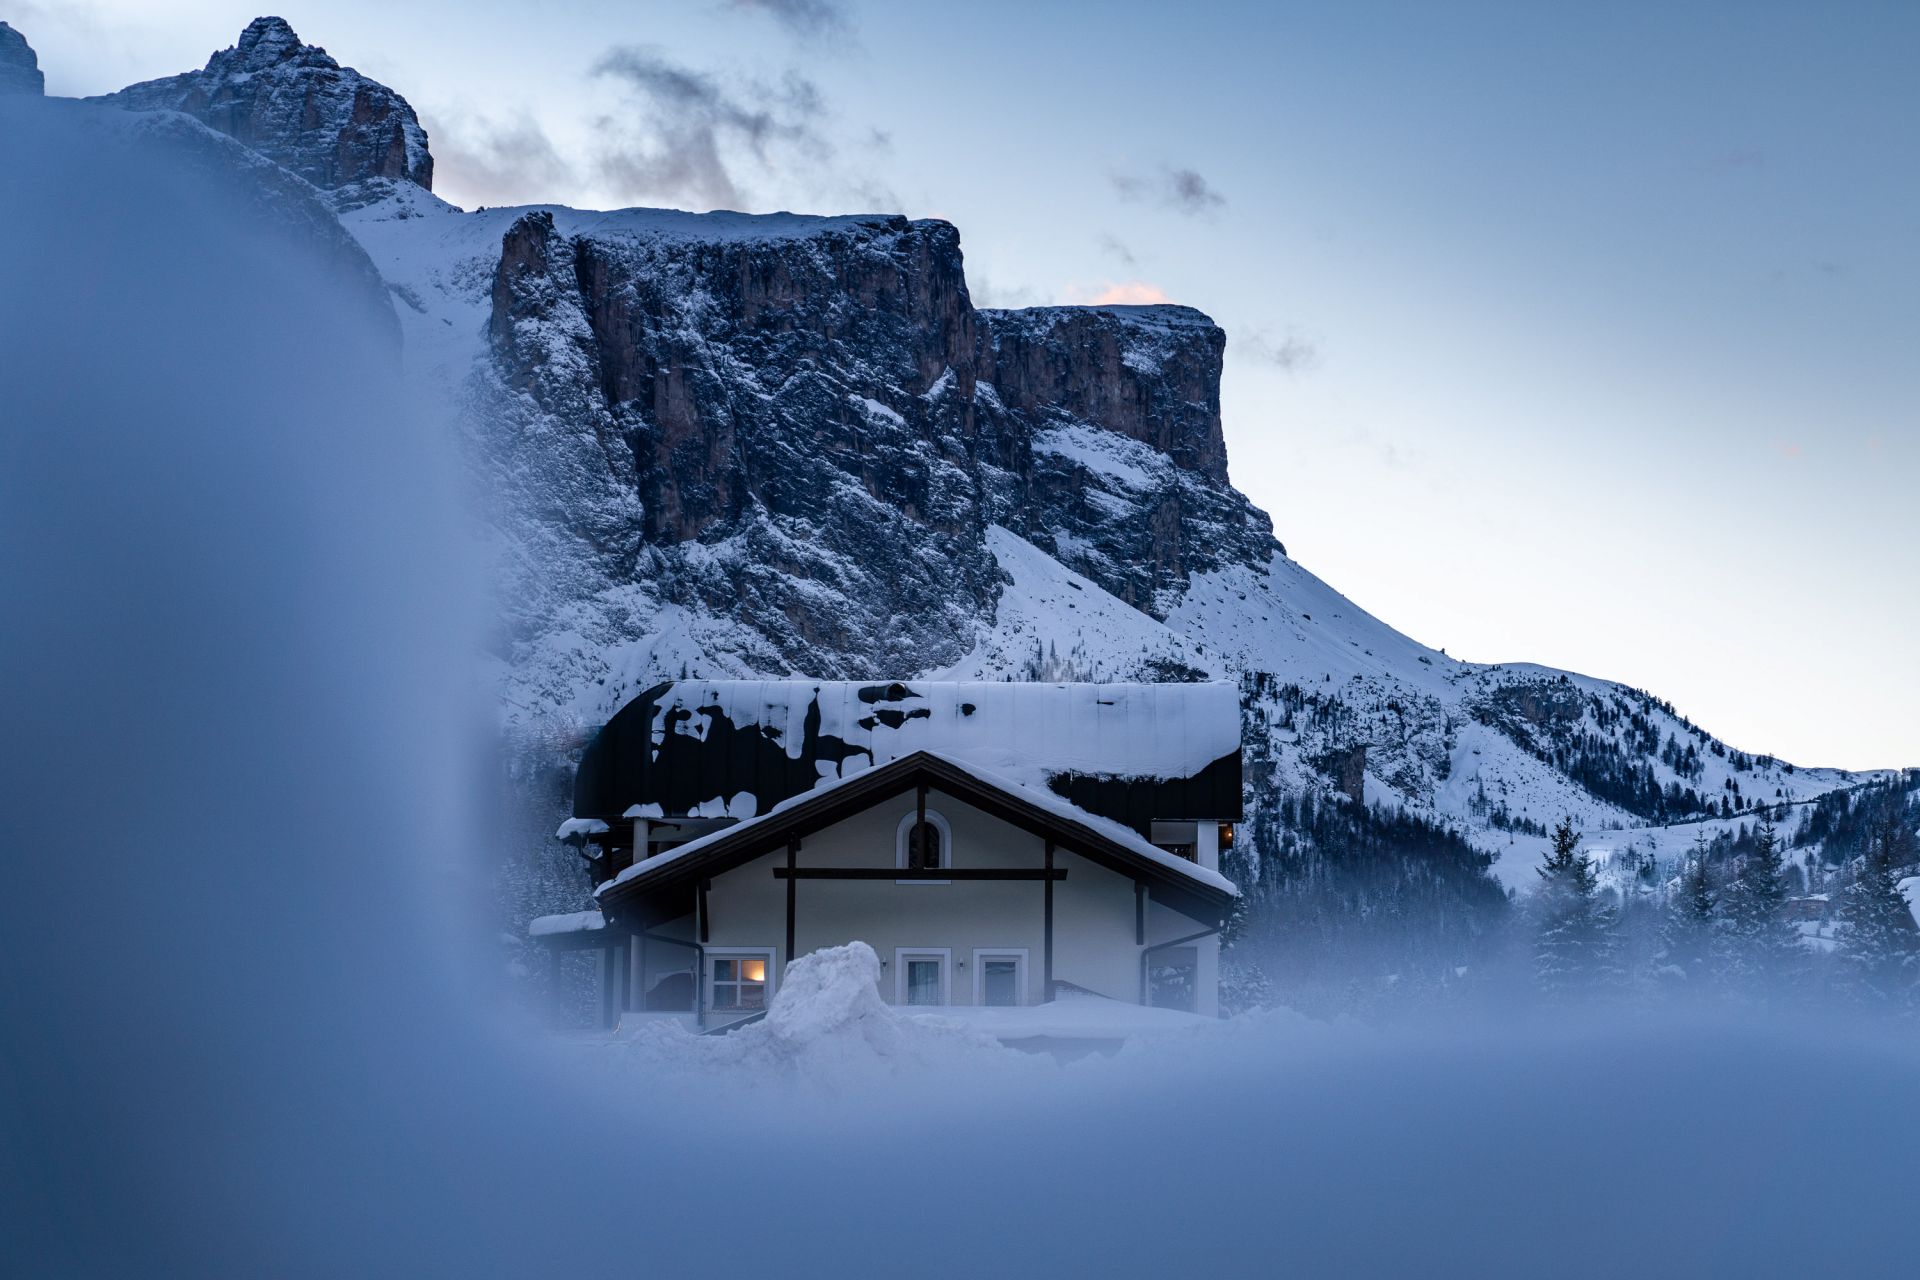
[
  {"x": 19, "y": 68},
  {"x": 298, "y": 107},
  {"x": 1151, "y": 374},
  {"x": 817, "y": 404}
]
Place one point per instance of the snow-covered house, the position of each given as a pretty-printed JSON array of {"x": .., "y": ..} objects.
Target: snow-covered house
[{"x": 997, "y": 844}]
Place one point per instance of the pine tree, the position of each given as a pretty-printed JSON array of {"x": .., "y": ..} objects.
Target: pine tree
[
  {"x": 1575, "y": 948},
  {"x": 1687, "y": 933},
  {"x": 1761, "y": 953},
  {"x": 1880, "y": 947}
]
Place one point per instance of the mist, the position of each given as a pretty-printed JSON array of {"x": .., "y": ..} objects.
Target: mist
[{"x": 252, "y": 1025}]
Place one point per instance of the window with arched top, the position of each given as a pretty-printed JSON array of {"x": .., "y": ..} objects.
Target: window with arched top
[{"x": 923, "y": 845}]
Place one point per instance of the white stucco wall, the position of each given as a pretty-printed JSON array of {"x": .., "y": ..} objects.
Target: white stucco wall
[{"x": 1093, "y": 907}]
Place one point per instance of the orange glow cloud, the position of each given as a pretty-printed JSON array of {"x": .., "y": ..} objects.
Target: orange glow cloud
[{"x": 1133, "y": 293}]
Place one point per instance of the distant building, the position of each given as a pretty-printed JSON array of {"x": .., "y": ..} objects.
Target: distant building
[
  {"x": 1812, "y": 907},
  {"x": 997, "y": 844}
]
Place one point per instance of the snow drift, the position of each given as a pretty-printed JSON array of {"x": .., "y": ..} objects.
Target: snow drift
[{"x": 826, "y": 1030}]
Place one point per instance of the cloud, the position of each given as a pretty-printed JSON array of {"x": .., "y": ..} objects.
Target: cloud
[
  {"x": 697, "y": 130},
  {"x": 986, "y": 293},
  {"x": 482, "y": 161},
  {"x": 808, "y": 19},
  {"x": 1131, "y": 293},
  {"x": 1788, "y": 449},
  {"x": 1184, "y": 191},
  {"x": 1291, "y": 352},
  {"x": 1113, "y": 245}
]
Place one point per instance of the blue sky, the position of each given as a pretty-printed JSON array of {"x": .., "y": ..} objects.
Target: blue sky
[{"x": 1582, "y": 338}]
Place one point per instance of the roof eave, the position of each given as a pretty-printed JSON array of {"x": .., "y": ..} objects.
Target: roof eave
[{"x": 885, "y": 781}]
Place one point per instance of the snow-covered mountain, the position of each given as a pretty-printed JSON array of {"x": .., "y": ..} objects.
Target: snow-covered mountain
[
  {"x": 734, "y": 445},
  {"x": 296, "y": 106},
  {"x": 19, "y": 66}
]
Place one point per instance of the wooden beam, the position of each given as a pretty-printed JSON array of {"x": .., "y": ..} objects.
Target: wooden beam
[
  {"x": 1046, "y": 990},
  {"x": 791, "y": 873},
  {"x": 706, "y": 925},
  {"x": 901, "y": 777},
  {"x": 700, "y": 956},
  {"x": 1139, "y": 913},
  {"x": 919, "y": 831},
  {"x": 793, "y": 858}
]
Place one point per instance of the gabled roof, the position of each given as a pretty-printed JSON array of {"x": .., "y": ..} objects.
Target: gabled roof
[
  {"x": 737, "y": 748},
  {"x": 1185, "y": 886}
]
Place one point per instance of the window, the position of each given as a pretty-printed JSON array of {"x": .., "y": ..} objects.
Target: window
[
  {"x": 1181, "y": 839},
  {"x": 1171, "y": 978},
  {"x": 741, "y": 981},
  {"x": 920, "y": 975},
  {"x": 1000, "y": 977},
  {"x": 923, "y": 846}
]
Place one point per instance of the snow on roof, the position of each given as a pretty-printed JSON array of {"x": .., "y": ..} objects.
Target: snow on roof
[
  {"x": 1026, "y": 731},
  {"x": 572, "y": 922},
  {"x": 1040, "y": 797},
  {"x": 573, "y": 827}
]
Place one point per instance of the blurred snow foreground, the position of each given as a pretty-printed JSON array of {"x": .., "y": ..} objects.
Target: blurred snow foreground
[{"x": 827, "y": 1028}]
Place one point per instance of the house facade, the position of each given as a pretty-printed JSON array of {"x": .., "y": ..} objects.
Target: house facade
[{"x": 1000, "y": 846}]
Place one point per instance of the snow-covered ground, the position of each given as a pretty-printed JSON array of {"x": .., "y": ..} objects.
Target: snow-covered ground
[{"x": 827, "y": 1031}]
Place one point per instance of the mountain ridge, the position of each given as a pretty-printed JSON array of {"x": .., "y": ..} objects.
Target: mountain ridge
[{"x": 765, "y": 445}]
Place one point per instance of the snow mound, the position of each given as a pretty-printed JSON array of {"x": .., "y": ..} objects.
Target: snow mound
[{"x": 827, "y": 1029}]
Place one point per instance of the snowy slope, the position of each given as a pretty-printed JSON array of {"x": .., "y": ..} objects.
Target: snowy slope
[
  {"x": 1466, "y": 744},
  {"x": 727, "y": 445}
]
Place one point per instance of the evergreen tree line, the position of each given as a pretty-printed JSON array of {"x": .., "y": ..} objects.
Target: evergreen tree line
[
  {"x": 1547, "y": 719},
  {"x": 1368, "y": 910},
  {"x": 1344, "y": 899},
  {"x": 1725, "y": 932}
]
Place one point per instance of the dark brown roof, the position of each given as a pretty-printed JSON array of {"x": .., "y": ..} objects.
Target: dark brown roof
[{"x": 1130, "y": 752}]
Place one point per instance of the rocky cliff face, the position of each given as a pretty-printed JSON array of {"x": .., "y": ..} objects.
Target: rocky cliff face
[
  {"x": 1151, "y": 374},
  {"x": 737, "y": 445},
  {"x": 729, "y": 445},
  {"x": 19, "y": 68},
  {"x": 804, "y": 425},
  {"x": 298, "y": 107}
]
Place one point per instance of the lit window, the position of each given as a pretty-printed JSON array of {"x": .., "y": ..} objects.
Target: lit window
[{"x": 739, "y": 982}]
